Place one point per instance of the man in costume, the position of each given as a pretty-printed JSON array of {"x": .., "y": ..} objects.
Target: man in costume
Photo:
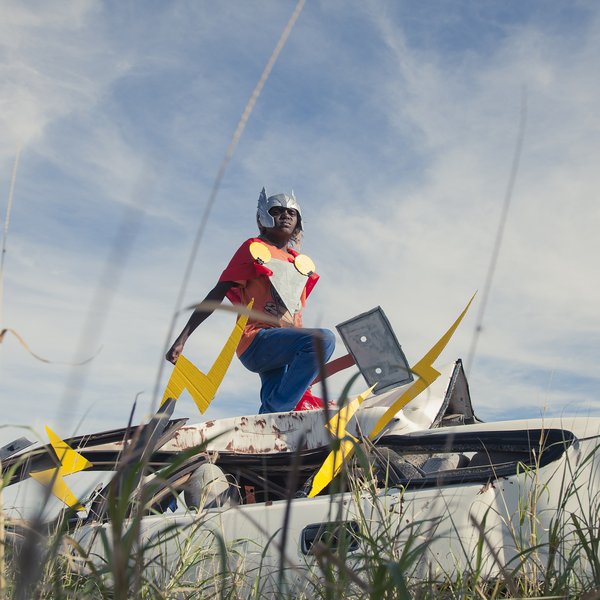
[{"x": 268, "y": 271}]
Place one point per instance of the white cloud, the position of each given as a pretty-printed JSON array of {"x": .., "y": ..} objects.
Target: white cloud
[{"x": 398, "y": 147}]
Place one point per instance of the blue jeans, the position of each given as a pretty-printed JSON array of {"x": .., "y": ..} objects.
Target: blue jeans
[{"x": 286, "y": 360}]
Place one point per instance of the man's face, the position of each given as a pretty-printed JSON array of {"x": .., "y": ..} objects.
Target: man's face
[{"x": 286, "y": 219}]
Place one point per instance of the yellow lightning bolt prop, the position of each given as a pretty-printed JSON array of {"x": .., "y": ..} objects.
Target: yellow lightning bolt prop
[
  {"x": 70, "y": 462},
  {"x": 426, "y": 376},
  {"x": 335, "y": 459},
  {"x": 201, "y": 387}
]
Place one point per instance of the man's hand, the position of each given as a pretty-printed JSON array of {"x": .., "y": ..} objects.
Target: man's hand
[
  {"x": 174, "y": 352},
  {"x": 217, "y": 294}
]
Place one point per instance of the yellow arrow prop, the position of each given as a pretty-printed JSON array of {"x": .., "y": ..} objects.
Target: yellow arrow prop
[
  {"x": 335, "y": 459},
  {"x": 201, "y": 387},
  {"x": 426, "y": 376},
  {"x": 70, "y": 462}
]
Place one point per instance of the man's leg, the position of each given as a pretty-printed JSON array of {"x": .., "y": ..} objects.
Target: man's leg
[
  {"x": 288, "y": 362},
  {"x": 270, "y": 381}
]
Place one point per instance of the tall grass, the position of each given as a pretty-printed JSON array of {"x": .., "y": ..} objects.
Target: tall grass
[{"x": 550, "y": 545}]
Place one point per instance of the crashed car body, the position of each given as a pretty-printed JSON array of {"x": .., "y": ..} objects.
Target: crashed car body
[
  {"x": 436, "y": 479},
  {"x": 451, "y": 485}
]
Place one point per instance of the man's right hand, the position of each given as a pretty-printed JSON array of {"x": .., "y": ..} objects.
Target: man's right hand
[{"x": 174, "y": 352}]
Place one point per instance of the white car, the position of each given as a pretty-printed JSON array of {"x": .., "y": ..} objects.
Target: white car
[{"x": 437, "y": 493}]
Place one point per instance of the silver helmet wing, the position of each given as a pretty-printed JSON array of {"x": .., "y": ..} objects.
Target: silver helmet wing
[{"x": 265, "y": 204}]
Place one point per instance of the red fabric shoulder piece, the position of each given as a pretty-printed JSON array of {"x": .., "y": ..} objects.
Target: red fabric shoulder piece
[
  {"x": 241, "y": 265},
  {"x": 310, "y": 283},
  {"x": 263, "y": 269}
]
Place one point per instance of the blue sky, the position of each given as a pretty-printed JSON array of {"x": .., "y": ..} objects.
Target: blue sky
[{"x": 394, "y": 122}]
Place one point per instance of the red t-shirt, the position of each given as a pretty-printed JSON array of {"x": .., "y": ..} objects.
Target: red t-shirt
[{"x": 253, "y": 283}]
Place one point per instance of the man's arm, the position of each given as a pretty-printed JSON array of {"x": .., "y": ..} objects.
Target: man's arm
[{"x": 198, "y": 316}]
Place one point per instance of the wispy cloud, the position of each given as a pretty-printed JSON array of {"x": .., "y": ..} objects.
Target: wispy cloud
[{"x": 396, "y": 130}]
